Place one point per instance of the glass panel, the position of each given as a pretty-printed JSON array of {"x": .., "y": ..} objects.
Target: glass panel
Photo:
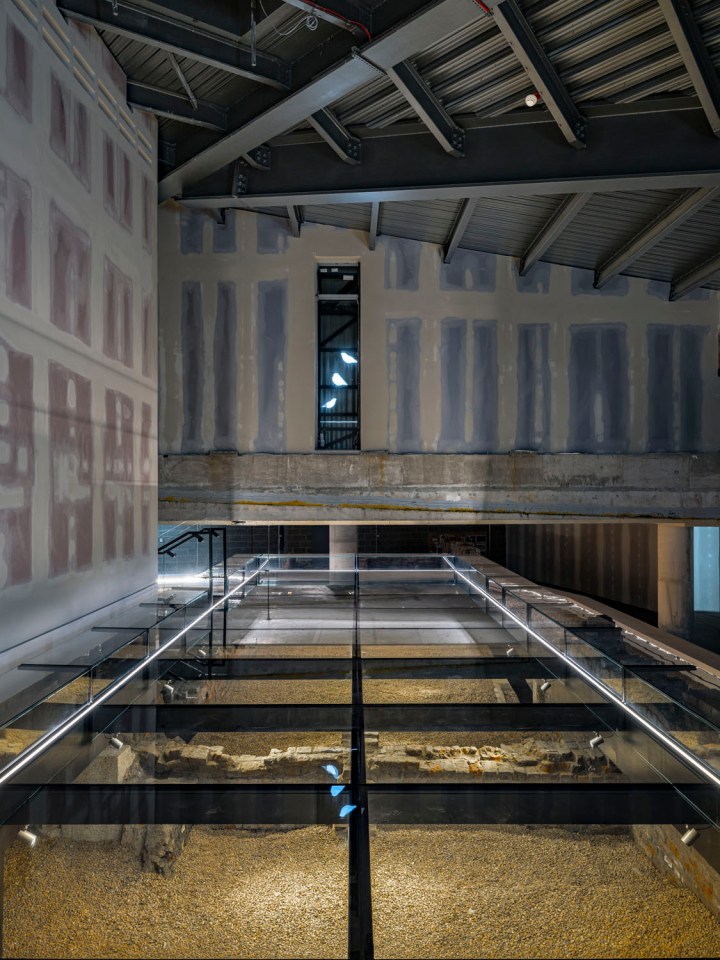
[{"x": 338, "y": 371}]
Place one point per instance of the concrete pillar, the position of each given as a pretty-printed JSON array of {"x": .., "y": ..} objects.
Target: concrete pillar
[
  {"x": 675, "y": 579},
  {"x": 342, "y": 547}
]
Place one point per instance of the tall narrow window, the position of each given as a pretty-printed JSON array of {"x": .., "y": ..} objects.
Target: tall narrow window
[{"x": 338, "y": 357}]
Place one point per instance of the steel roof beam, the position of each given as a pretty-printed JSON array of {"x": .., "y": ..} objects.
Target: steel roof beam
[
  {"x": 668, "y": 149},
  {"x": 426, "y": 105},
  {"x": 695, "y": 278},
  {"x": 462, "y": 219},
  {"x": 698, "y": 62},
  {"x": 517, "y": 31},
  {"x": 348, "y": 14},
  {"x": 295, "y": 219},
  {"x": 175, "y": 106},
  {"x": 549, "y": 233},
  {"x": 157, "y": 30},
  {"x": 667, "y": 221},
  {"x": 401, "y": 39},
  {"x": 347, "y": 147},
  {"x": 374, "y": 225}
]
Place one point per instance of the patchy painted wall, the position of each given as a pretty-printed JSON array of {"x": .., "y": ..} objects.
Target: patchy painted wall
[
  {"x": 464, "y": 358},
  {"x": 617, "y": 561},
  {"x": 78, "y": 383}
]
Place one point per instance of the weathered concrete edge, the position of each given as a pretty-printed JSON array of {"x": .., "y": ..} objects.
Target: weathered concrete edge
[{"x": 459, "y": 488}]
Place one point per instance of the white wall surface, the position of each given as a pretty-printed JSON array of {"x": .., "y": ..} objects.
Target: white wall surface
[{"x": 78, "y": 384}]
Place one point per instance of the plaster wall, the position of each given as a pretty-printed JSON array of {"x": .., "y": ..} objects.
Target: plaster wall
[
  {"x": 459, "y": 358},
  {"x": 78, "y": 383}
]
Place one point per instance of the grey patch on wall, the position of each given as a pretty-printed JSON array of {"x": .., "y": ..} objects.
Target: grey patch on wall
[
  {"x": 402, "y": 263},
  {"x": 658, "y": 288},
  {"x": 192, "y": 223},
  {"x": 485, "y": 387},
  {"x": 533, "y": 372},
  {"x": 453, "y": 354},
  {"x": 599, "y": 388},
  {"x": 536, "y": 280},
  {"x": 271, "y": 350},
  {"x": 581, "y": 282},
  {"x": 273, "y": 234},
  {"x": 469, "y": 270},
  {"x": 661, "y": 404},
  {"x": 691, "y": 387},
  {"x": 224, "y": 234},
  {"x": 191, "y": 322},
  {"x": 403, "y": 341},
  {"x": 675, "y": 388},
  {"x": 225, "y": 368}
]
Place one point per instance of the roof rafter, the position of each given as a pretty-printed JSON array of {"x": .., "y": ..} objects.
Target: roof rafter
[
  {"x": 158, "y": 30},
  {"x": 668, "y": 220},
  {"x": 550, "y": 231},
  {"x": 695, "y": 278},
  {"x": 517, "y": 31},
  {"x": 698, "y": 63},
  {"x": 374, "y": 225},
  {"x": 175, "y": 106},
  {"x": 347, "y": 147},
  {"x": 427, "y": 106},
  {"x": 460, "y": 225}
]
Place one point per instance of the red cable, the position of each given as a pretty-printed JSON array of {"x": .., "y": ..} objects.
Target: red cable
[
  {"x": 484, "y": 6},
  {"x": 346, "y": 19}
]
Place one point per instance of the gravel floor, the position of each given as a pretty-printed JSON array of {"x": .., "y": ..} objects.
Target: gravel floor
[{"x": 439, "y": 892}]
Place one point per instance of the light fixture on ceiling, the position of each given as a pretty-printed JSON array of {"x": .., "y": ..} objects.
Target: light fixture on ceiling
[
  {"x": 338, "y": 380},
  {"x": 330, "y": 404},
  {"x": 27, "y": 836},
  {"x": 690, "y": 836},
  {"x": 347, "y": 357},
  {"x": 545, "y": 686},
  {"x": 597, "y": 740},
  {"x": 532, "y": 99}
]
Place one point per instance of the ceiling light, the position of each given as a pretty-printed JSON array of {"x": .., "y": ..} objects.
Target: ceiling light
[
  {"x": 330, "y": 404},
  {"x": 27, "y": 837},
  {"x": 690, "y": 836},
  {"x": 347, "y": 358},
  {"x": 338, "y": 380},
  {"x": 532, "y": 99},
  {"x": 597, "y": 740}
]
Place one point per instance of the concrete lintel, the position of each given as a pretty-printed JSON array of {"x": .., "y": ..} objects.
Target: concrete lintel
[{"x": 448, "y": 488}]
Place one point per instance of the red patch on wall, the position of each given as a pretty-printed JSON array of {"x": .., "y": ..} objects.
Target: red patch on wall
[
  {"x": 71, "y": 470},
  {"x": 69, "y": 276},
  {"x": 118, "y": 314},
  {"x": 119, "y": 473},
  {"x": 147, "y": 490},
  {"x": 15, "y": 213},
  {"x": 17, "y": 465},
  {"x": 18, "y": 73}
]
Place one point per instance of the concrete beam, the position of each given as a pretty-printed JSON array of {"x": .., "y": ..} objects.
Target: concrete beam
[{"x": 451, "y": 488}]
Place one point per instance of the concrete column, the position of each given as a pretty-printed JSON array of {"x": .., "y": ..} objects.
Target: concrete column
[
  {"x": 342, "y": 546},
  {"x": 675, "y": 579}
]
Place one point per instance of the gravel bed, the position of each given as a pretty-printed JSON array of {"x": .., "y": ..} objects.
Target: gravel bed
[
  {"x": 234, "y": 894},
  {"x": 519, "y": 892},
  {"x": 439, "y": 892}
]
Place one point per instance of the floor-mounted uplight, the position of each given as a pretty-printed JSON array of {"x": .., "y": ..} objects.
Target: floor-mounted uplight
[
  {"x": 347, "y": 358},
  {"x": 690, "y": 836},
  {"x": 116, "y": 742},
  {"x": 338, "y": 380},
  {"x": 27, "y": 837},
  {"x": 330, "y": 404},
  {"x": 596, "y": 741},
  {"x": 545, "y": 686}
]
